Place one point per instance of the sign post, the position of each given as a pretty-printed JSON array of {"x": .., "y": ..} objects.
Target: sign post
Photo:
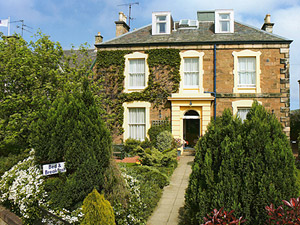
[{"x": 54, "y": 168}]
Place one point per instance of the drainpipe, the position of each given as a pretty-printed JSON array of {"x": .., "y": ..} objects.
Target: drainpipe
[
  {"x": 214, "y": 93},
  {"x": 215, "y": 81}
]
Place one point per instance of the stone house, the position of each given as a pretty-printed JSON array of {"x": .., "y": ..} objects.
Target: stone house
[{"x": 189, "y": 71}]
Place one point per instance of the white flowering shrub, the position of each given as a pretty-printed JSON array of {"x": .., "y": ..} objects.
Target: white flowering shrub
[
  {"x": 67, "y": 215},
  {"x": 133, "y": 213},
  {"x": 21, "y": 188}
]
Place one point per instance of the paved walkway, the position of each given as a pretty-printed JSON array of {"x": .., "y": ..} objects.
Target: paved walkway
[{"x": 167, "y": 210}]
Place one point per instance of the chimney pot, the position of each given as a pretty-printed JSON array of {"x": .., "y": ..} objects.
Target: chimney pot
[
  {"x": 268, "y": 18},
  {"x": 268, "y": 26},
  {"x": 121, "y": 25},
  {"x": 98, "y": 38},
  {"x": 122, "y": 17}
]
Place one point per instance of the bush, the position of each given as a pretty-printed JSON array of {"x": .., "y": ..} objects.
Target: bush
[
  {"x": 287, "y": 214},
  {"x": 155, "y": 130},
  {"x": 153, "y": 157},
  {"x": 21, "y": 189},
  {"x": 97, "y": 210},
  {"x": 114, "y": 185},
  {"x": 146, "y": 143},
  {"x": 241, "y": 166},
  {"x": 71, "y": 130},
  {"x": 130, "y": 144},
  {"x": 8, "y": 162},
  {"x": 298, "y": 146},
  {"x": 222, "y": 217},
  {"x": 295, "y": 125},
  {"x": 152, "y": 174},
  {"x": 164, "y": 140}
]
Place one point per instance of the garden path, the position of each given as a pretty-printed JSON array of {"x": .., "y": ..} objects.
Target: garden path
[{"x": 172, "y": 200}]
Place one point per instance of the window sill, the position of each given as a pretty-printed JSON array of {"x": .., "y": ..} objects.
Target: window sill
[
  {"x": 246, "y": 90},
  {"x": 135, "y": 89}
]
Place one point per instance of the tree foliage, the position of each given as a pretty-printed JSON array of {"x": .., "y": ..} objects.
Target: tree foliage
[
  {"x": 97, "y": 210},
  {"x": 71, "y": 130},
  {"x": 295, "y": 124},
  {"x": 32, "y": 75},
  {"x": 241, "y": 167},
  {"x": 28, "y": 77}
]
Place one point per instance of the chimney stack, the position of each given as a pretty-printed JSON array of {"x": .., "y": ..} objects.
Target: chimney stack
[
  {"x": 121, "y": 25},
  {"x": 268, "y": 26},
  {"x": 98, "y": 38}
]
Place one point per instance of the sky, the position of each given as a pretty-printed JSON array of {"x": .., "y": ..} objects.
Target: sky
[{"x": 75, "y": 22}]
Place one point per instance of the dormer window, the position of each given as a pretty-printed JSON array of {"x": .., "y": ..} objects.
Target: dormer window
[
  {"x": 161, "y": 23},
  {"x": 224, "y": 21}
]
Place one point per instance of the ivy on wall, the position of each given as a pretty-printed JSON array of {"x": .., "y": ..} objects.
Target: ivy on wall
[{"x": 164, "y": 79}]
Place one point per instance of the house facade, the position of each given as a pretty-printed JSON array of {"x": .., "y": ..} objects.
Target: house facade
[{"x": 189, "y": 71}]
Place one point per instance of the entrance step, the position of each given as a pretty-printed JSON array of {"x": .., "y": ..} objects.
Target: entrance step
[{"x": 189, "y": 151}]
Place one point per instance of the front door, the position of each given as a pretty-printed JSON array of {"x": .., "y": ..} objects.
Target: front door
[{"x": 191, "y": 128}]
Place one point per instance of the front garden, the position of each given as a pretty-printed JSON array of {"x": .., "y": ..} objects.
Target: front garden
[{"x": 132, "y": 190}]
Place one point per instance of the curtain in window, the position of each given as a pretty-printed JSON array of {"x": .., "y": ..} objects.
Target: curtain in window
[
  {"x": 161, "y": 24},
  {"x": 247, "y": 73},
  {"x": 161, "y": 27},
  {"x": 191, "y": 72},
  {"x": 242, "y": 113},
  {"x": 137, "y": 123},
  {"x": 225, "y": 22},
  {"x": 225, "y": 26},
  {"x": 137, "y": 73}
]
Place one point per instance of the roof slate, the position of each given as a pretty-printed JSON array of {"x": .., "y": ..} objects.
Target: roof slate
[{"x": 204, "y": 34}]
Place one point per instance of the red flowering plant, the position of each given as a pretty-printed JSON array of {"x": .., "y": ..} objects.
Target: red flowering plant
[
  {"x": 289, "y": 213},
  {"x": 221, "y": 217},
  {"x": 178, "y": 142}
]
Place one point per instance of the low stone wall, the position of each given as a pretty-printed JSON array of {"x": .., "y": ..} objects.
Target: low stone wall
[{"x": 8, "y": 218}]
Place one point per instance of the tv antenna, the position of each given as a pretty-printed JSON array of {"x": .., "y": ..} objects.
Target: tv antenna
[
  {"x": 129, "y": 5},
  {"x": 23, "y": 26}
]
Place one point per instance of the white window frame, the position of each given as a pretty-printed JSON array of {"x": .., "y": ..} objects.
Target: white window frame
[
  {"x": 246, "y": 104},
  {"x": 240, "y": 108},
  {"x": 135, "y": 104},
  {"x": 218, "y": 20},
  {"x": 191, "y": 54},
  {"x": 128, "y": 57},
  {"x": 246, "y": 53},
  {"x": 155, "y": 21}
]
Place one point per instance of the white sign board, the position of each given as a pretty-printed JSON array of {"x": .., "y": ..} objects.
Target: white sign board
[{"x": 54, "y": 168}]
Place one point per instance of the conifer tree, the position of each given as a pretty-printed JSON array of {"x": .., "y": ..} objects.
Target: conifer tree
[
  {"x": 97, "y": 210},
  {"x": 71, "y": 130},
  {"x": 241, "y": 167}
]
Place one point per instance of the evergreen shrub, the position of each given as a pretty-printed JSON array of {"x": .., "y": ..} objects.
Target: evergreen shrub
[
  {"x": 153, "y": 175},
  {"x": 241, "y": 167},
  {"x": 153, "y": 157},
  {"x": 130, "y": 144},
  {"x": 155, "y": 130},
  {"x": 71, "y": 130},
  {"x": 164, "y": 140},
  {"x": 97, "y": 210}
]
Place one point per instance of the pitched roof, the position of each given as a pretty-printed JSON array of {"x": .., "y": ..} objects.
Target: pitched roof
[
  {"x": 203, "y": 35},
  {"x": 91, "y": 55}
]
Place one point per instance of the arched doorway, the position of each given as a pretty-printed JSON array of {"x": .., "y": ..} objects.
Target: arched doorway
[{"x": 191, "y": 128}]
